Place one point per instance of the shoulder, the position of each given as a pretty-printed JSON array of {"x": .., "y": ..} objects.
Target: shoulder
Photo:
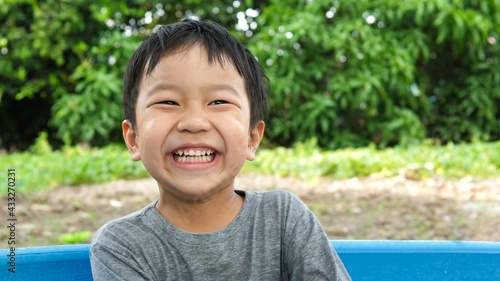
[
  {"x": 118, "y": 248},
  {"x": 279, "y": 205},
  {"x": 123, "y": 229},
  {"x": 288, "y": 208},
  {"x": 280, "y": 197}
]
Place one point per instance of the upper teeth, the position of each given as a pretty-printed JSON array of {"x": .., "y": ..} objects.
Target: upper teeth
[{"x": 192, "y": 152}]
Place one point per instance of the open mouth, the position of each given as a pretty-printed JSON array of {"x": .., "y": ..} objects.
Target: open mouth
[{"x": 198, "y": 156}]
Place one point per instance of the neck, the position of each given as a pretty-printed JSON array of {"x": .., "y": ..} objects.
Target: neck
[{"x": 200, "y": 217}]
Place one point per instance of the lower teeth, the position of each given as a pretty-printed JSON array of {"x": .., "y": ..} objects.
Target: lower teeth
[{"x": 194, "y": 159}]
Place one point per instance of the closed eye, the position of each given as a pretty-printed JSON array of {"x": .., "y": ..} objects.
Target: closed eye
[
  {"x": 216, "y": 102},
  {"x": 169, "y": 102}
]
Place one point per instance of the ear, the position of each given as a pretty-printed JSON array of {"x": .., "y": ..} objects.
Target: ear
[
  {"x": 255, "y": 138},
  {"x": 131, "y": 140}
]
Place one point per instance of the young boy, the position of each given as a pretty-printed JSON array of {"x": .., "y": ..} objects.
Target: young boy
[{"x": 193, "y": 100}]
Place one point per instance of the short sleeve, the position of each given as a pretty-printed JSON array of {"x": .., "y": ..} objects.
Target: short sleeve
[
  {"x": 110, "y": 265},
  {"x": 116, "y": 254},
  {"x": 308, "y": 253}
]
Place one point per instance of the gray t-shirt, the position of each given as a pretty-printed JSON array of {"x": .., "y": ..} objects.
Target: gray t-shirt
[{"x": 273, "y": 237}]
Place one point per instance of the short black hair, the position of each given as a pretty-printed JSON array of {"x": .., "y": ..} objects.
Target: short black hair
[{"x": 219, "y": 45}]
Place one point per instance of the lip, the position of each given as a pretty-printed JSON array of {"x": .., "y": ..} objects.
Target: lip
[{"x": 190, "y": 166}]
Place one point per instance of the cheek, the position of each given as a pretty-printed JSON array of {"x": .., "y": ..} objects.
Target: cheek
[
  {"x": 235, "y": 129},
  {"x": 151, "y": 134}
]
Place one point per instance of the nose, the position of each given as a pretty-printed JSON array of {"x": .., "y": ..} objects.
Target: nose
[{"x": 193, "y": 121}]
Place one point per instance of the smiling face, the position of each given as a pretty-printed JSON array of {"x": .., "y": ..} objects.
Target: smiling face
[{"x": 192, "y": 132}]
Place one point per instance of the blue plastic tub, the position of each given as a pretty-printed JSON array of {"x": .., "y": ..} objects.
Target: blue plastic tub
[{"x": 365, "y": 260}]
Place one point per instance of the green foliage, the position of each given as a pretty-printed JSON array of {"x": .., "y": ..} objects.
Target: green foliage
[
  {"x": 94, "y": 110},
  {"x": 307, "y": 161},
  {"x": 75, "y": 237},
  {"x": 349, "y": 73},
  {"x": 44, "y": 168},
  {"x": 62, "y": 63},
  {"x": 388, "y": 72},
  {"x": 41, "y": 146}
]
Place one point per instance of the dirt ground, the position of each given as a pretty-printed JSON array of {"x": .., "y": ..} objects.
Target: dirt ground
[{"x": 358, "y": 208}]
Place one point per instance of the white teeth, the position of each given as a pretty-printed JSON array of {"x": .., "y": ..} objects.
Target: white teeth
[
  {"x": 195, "y": 159},
  {"x": 194, "y": 156},
  {"x": 192, "y": 152}
]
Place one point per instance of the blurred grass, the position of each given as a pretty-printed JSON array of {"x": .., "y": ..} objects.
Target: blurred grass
[
  {"x": 43, "y": 168},
  {"x": 307, "y": 160}
]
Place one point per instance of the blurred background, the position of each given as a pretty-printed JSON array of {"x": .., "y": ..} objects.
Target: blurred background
[
  {"x": 360, "y": 89},
  {"x": 349, "y": 73}
]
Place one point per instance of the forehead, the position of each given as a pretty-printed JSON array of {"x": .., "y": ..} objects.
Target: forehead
[{"x": 192, "y": 67}]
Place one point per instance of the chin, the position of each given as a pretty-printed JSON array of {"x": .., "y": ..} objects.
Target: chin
[{"x": 193, "y": 193}]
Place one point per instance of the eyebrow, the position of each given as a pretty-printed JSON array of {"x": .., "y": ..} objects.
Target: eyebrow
[
  {"x": 209, "y": 88},
  {"x": 222, "y": 87},
  {"x": 161, "y": 87}
]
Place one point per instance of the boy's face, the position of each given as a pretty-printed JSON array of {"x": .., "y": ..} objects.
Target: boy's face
[{"x": 192, "y": 131}]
